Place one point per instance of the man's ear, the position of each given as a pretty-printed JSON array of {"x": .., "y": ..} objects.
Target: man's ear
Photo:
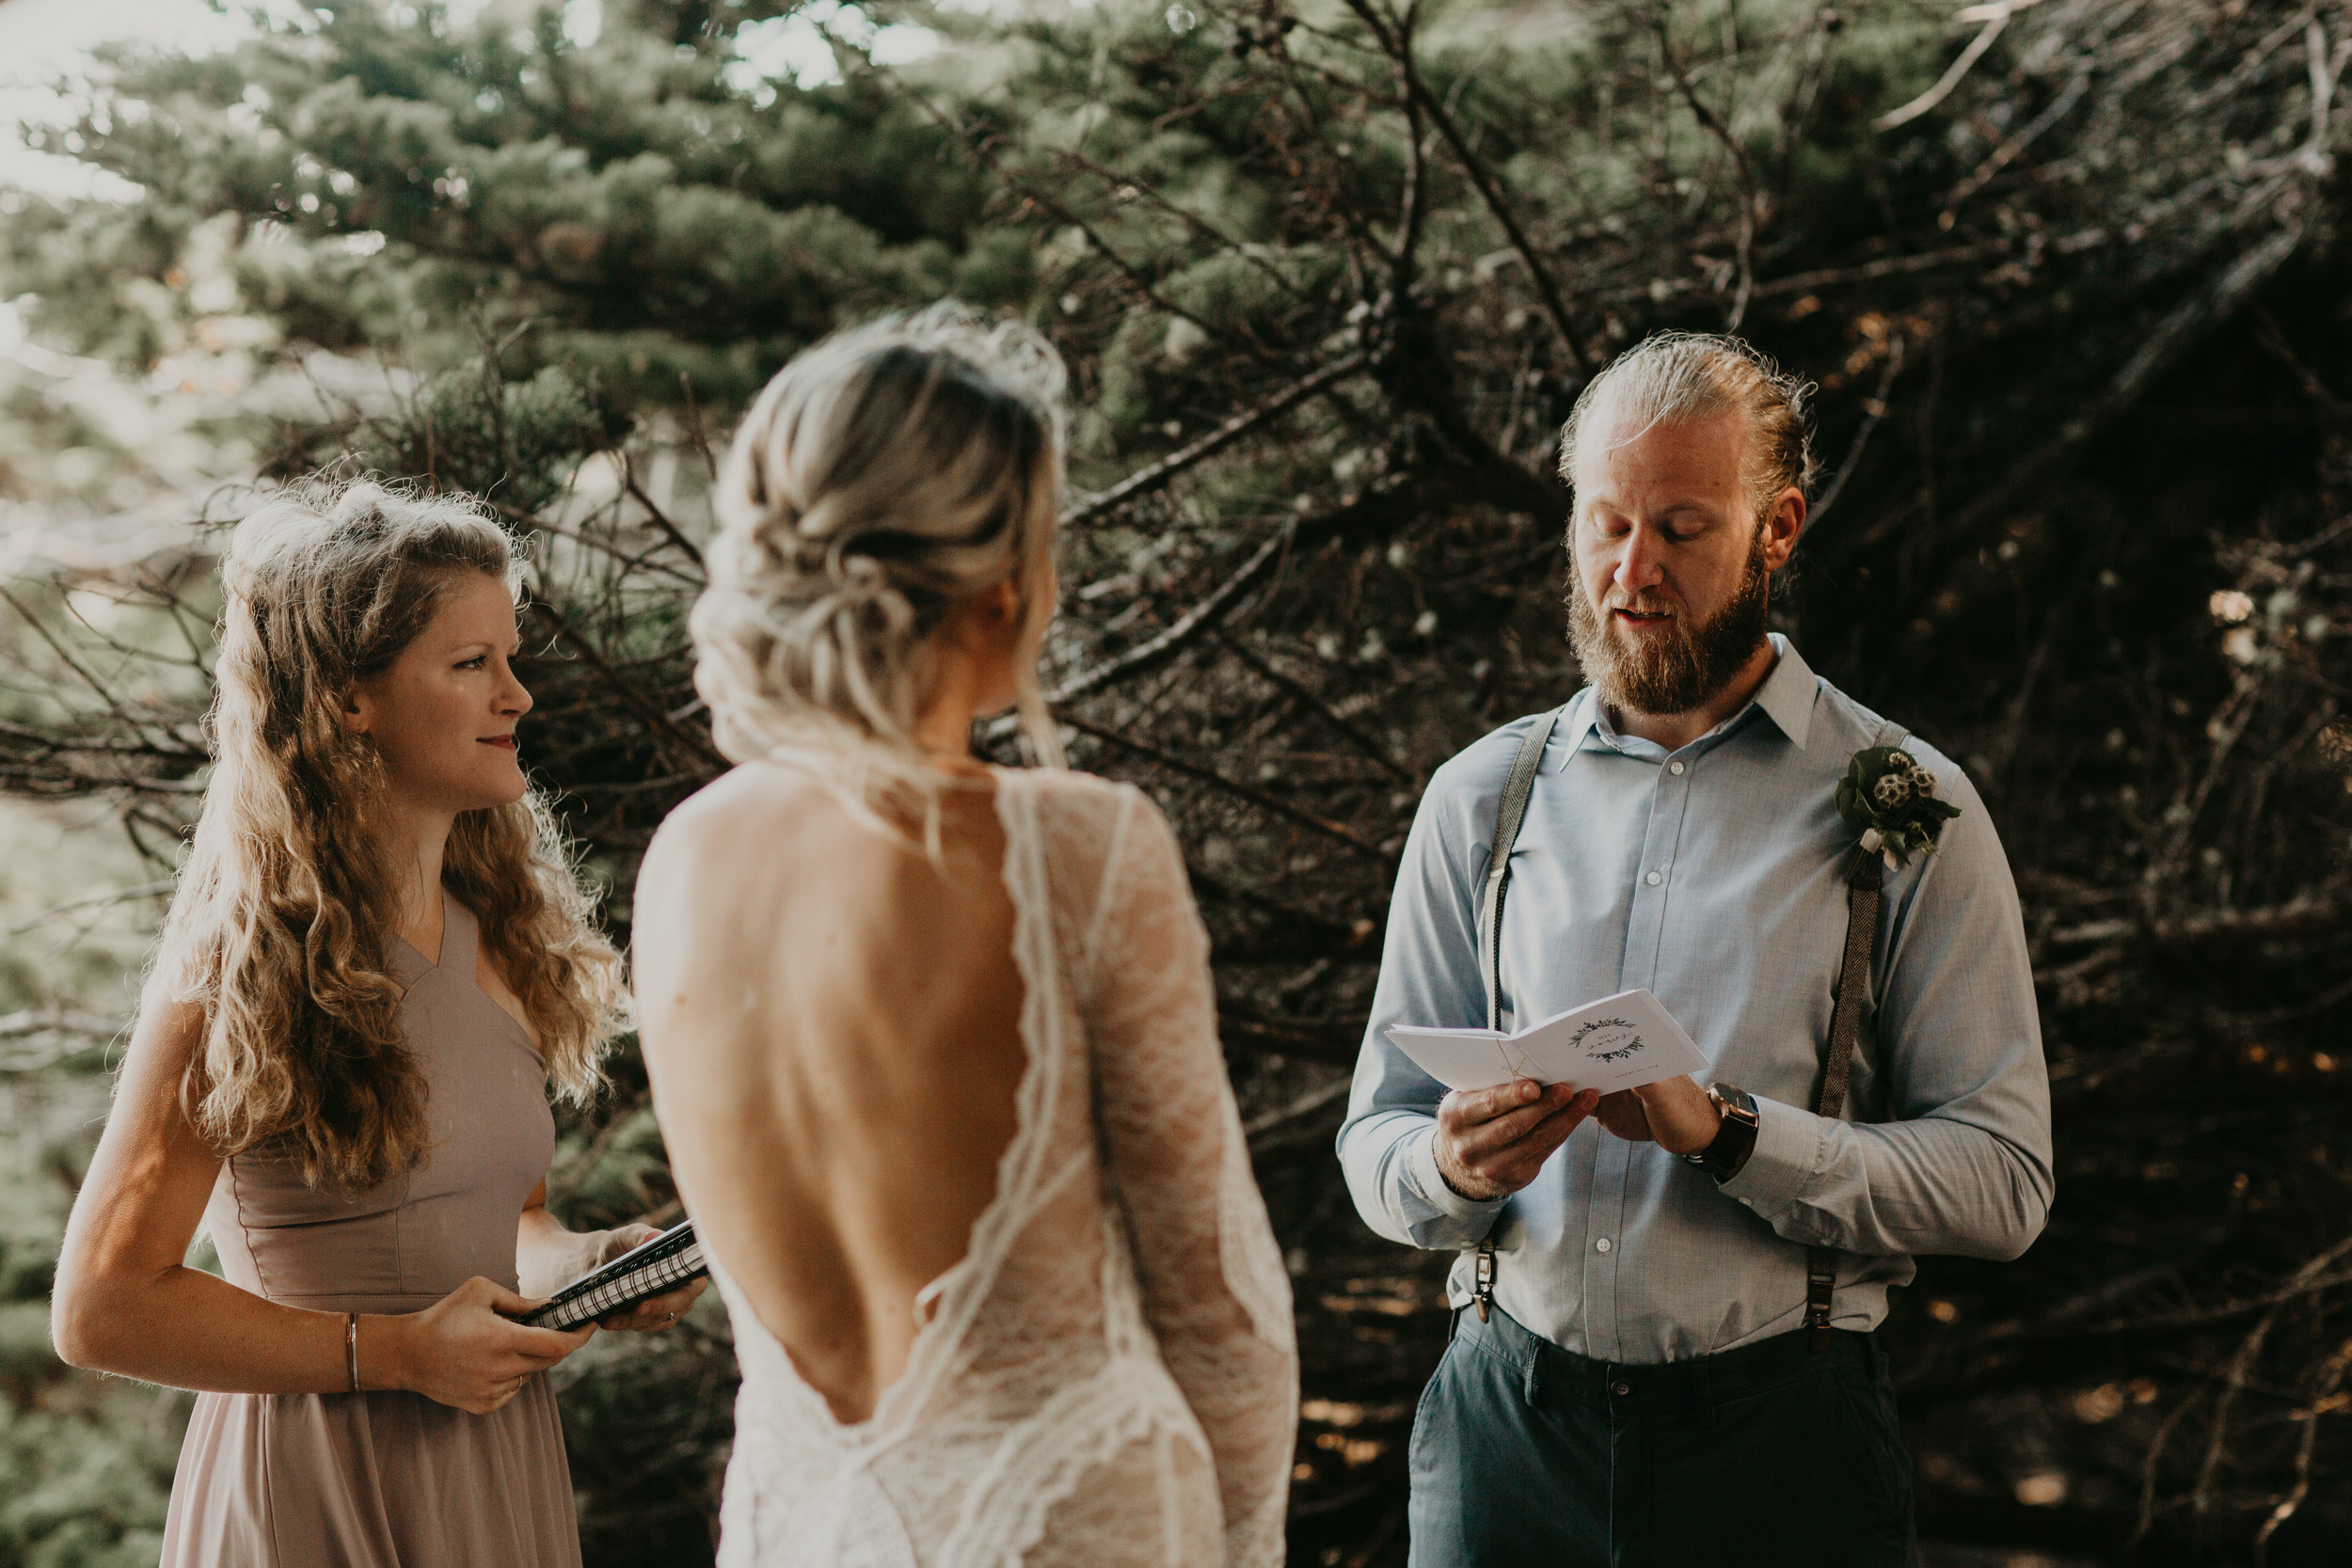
[{"x": 1782, "y": 522}]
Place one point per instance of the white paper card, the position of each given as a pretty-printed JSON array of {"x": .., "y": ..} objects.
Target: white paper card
[{"x": 1618, "y": 1043}]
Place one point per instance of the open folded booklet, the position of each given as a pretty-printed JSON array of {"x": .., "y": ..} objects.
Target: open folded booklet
[{"x": 1618, "y": 1043}]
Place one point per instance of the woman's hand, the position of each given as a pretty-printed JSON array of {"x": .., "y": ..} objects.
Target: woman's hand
[
  {"x": 655, "y": 1313},
  {"x": 461, "y": 1352}
]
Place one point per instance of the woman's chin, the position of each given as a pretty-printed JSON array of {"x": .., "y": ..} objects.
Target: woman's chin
[{"x": 503, "y": 789}]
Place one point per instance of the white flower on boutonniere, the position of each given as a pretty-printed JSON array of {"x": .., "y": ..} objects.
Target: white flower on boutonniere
[{"x": 1890, "y": 801}]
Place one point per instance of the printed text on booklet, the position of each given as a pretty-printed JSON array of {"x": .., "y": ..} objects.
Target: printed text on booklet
[{"x": 1618, "y": 1043}]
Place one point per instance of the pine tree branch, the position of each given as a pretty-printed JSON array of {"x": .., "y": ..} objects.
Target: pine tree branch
[
  {"x": 1143, "y": 481},
  {"x": 1398, "y": 48}
]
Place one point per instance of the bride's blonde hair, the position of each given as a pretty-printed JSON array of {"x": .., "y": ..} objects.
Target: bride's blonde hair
[
  {"x": 287, "y": 904},
  {"x": 885, "y": 475}
]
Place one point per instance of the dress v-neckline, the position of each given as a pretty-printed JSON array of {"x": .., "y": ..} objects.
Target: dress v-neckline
[
  {"x": 952, "y": 1298},
  {"x": 451, "y": 909}
]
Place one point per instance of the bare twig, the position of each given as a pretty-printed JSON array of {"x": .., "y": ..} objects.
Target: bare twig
[
  {"x": 1153, "y": 477},
  {"x": 59, "y": 1020},
  {"x": 1187, "y": 628},
  {"x": 2301, "y": 916},
  {"x": 661, "y": 519},
  {"x": 1996, "y": 18},
  {"x": 1315, "y": 704},
  {"x": 695, "y": 746},
  {"x": 1250, "y": 793}
]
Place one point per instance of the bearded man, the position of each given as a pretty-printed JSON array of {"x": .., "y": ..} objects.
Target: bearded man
[{"x": 1662, "y": 1349}]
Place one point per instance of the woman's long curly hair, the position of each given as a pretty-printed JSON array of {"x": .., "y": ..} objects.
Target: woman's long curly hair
[
  {"x": 289, "y": 902},
  {"x": 883, "y": 476}
]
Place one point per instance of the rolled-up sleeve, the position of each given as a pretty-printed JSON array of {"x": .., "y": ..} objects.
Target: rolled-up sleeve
[
  {"x": 1429, "y": 974},
  {"x": 1964, "y": 1165}
]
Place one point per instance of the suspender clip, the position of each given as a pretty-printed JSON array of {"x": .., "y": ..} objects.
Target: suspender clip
[{"x": 1484, "y": 1291}]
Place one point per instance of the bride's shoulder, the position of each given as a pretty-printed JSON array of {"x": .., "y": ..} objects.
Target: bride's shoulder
[
  {"x": 754, "y": 803},
  {"x": 1067, "y": 797}
]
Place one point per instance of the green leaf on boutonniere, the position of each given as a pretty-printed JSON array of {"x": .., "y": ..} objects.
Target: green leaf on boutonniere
[{"x": 1889, "y": 800}]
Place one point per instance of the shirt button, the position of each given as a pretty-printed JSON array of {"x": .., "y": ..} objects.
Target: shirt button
[
  {"x": 1603, "y": 1244},
  {"x": 1676, "y": 768},
  {"x": 1621, "y": 1388},
  {"x": 1654, "y": 878}
]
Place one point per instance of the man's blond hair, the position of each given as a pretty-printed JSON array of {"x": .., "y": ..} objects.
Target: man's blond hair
[{"x": 1678, "y": 378}]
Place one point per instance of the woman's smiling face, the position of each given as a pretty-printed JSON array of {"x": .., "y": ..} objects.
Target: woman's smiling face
[{"x": 443, "y": 715}]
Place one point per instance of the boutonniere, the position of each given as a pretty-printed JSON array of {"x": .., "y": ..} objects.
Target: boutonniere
[{"x": 1890, "y": 801}]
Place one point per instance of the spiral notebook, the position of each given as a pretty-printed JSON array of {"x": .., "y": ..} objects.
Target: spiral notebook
[{"x": 665, "y": 1263}]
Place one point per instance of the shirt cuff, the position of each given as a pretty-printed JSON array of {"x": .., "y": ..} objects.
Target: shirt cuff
[
  {"x": 1787, "y": 1142},
  {"x": 1422, "y": 1160}
]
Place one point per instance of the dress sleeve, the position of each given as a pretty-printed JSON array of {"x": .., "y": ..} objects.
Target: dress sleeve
[{"x": 1215, "y": 1290}]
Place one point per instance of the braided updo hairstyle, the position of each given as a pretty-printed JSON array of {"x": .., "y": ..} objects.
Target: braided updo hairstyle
[{"x": 883, "y": 476}]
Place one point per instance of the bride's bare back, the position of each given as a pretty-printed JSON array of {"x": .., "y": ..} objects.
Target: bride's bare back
[{"x": 845, "y": 1038}]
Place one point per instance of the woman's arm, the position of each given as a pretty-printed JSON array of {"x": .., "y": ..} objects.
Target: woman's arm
[{"x": 127, "y": 1303}]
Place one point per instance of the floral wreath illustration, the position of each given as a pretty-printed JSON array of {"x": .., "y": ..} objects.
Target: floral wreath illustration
[
  {"x": 1595, "y": 1026},
  {"x": 1890, "y": 800}
]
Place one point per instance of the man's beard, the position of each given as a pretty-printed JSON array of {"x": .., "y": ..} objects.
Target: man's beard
[{"x": 1683, "y": 669}]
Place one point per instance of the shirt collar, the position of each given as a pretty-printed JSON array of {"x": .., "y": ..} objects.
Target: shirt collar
[
  {"x": 1786, "y": 698},
  {"x": 1789, "y": 694}
]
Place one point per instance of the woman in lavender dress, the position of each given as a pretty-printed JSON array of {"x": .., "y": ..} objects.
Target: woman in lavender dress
[{"x": 376, "y": 962}]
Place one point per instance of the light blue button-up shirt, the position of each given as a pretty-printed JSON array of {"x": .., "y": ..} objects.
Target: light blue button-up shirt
[{"x": 1711, "y": 876}]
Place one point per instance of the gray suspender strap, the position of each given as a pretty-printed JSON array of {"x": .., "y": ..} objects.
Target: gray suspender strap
[
  {"x": 1509, "y": 815},
  {"x": 1865, "y": 876}
]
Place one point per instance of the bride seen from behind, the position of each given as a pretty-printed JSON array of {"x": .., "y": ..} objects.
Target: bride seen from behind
[{"x": 932, "y": 1043}]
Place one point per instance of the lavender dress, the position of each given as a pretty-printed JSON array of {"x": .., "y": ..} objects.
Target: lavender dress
[{"x": 390, "y": 1479}]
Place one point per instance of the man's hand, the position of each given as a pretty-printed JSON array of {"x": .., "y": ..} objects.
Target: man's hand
[
  {"x": 1492, "y": 1142},
  {"x": 1674, "y": 1113}
]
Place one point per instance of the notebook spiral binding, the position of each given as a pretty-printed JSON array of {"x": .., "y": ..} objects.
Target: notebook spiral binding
[{"x": 665, "y": 1263}]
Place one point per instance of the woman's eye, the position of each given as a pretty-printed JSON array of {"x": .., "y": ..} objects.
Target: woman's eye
[{"x": 474, "y": 664}]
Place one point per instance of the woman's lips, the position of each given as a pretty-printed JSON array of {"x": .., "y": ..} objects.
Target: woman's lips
[{"x": 504, "y": 742}]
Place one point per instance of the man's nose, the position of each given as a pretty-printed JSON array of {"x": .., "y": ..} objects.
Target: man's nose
[{"x": 1639, "y": 566}]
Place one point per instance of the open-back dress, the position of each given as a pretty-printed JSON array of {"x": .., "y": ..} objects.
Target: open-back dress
[
  {"x": 390, "y": 1479},
  {"x": 1108, "y": 1377}
]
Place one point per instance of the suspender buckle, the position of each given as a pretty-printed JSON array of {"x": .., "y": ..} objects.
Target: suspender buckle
[
  {"x": 1821, "y": 1285},
  {"x": 1484, "y": 1291}
]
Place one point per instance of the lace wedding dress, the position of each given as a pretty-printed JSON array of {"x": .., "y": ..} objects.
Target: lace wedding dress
[{"x": 1108, "y": 1377}]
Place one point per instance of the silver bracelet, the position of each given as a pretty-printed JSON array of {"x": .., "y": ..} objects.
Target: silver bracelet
[{"x": 351, "y": 1347}]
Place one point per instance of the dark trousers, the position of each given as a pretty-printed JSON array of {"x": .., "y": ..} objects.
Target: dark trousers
[{"x": 1527, "y": 1456}]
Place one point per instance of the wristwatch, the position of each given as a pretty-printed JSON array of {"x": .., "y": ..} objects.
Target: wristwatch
[{"x": 1734, "y": 1140}]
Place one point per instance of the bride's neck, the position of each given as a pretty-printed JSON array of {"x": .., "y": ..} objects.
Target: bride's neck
[{"x": 962, "y": 694}]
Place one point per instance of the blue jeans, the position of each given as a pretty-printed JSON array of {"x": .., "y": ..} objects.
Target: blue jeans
[{"x": 1526, "y": 1454}]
